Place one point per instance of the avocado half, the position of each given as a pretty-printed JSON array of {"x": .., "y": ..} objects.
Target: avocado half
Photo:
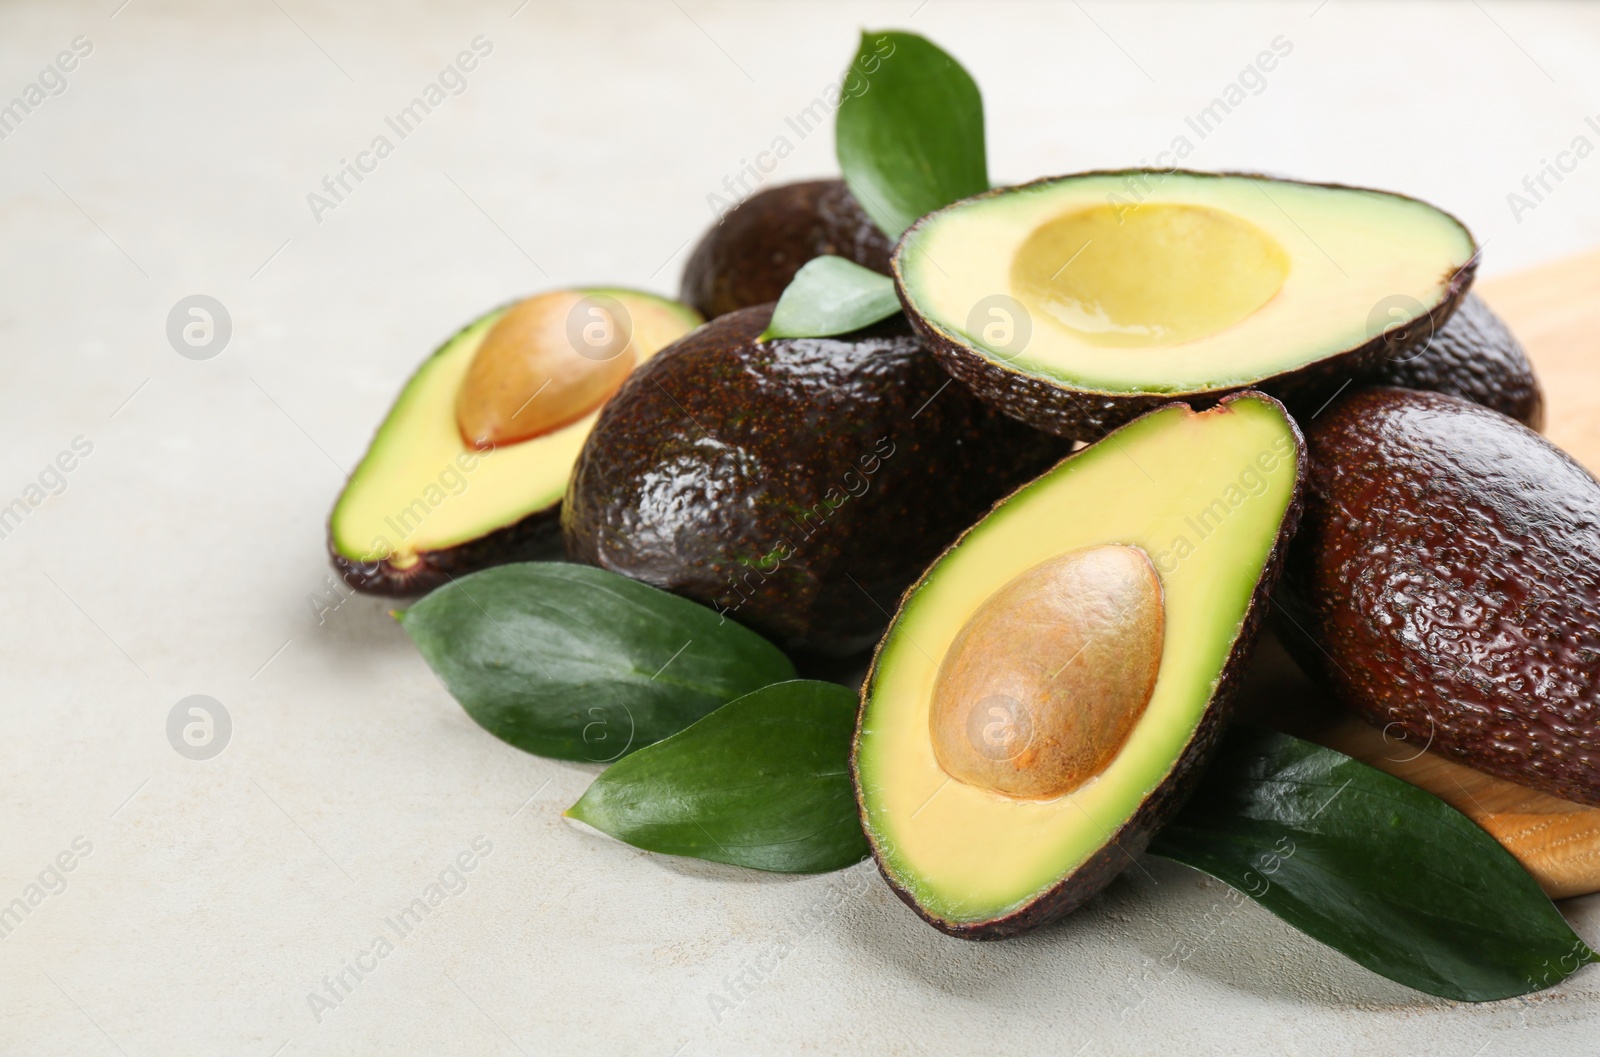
[
  {"x": 423, "y": 506},
  {"x": 1204, "y": 502},
  {"x": 797, "y": 485},
  {"x": 1076, "y": 303},
  {"x": 749, "y": 256}
]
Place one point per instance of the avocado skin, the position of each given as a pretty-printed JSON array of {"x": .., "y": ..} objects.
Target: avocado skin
[
  {"x": 1446, "y": 585},
  {"x": 749, "y": 257},
  {"x": 1474, "y": 356},
  {"x": 536, "y": 537},
  {"x": 1088, "y": 416},
  {"x": 1162, "y": 803},
  {"x": 700, "y": 466}
]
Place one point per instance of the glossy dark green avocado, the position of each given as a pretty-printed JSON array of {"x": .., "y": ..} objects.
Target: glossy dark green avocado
[
  {"x": 797, "y": 485},
  {"x": 749, "y": 256},
  {"x": 1445, "y": 584},
  {"x": 1474, "y": 355}
]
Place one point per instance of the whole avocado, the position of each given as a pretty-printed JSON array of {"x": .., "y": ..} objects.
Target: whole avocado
[
  {"x": 1445, "y": 584},
  {"x": 797, "y": 485},
  {"x": 1474, "y": 355},
  {"x": 750, "y": 255}
]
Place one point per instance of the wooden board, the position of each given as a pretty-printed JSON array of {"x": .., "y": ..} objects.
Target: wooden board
[
  {"x": 1558, "y": 841},
  {"x": 1555, "y": 311}
]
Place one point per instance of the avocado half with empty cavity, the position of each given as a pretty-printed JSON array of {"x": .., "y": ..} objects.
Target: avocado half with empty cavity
[
  {"x": 1050, "y": 689},
  {"x": 468, "y": 468},
  {"x": 1076, "y": 303}
]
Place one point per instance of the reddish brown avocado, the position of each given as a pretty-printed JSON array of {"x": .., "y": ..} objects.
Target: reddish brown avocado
[
  {"x": 1445, "y": 584},
  {"x": 749, "y": 256},
  {"x": 797, "y": 484},
  {"x": 1474, "y": 355}
]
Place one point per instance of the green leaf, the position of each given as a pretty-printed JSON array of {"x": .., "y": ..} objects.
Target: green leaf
[
  {"x": 580, "y": 663},
  {"x": 1376, "y": 868},
  {"x": 909, "y": 132},
  {"x": 761, "y": 782},
  {"x": 830, "y": 295}
]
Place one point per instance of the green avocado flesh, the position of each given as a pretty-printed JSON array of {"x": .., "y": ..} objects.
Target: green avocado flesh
[
  {"x": 1208, "y": 497},
  {"x": 1175, "y": 283},
  {"x": 420, "y": 488}
]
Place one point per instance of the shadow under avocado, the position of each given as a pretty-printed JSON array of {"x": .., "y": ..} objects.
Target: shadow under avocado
[{"x": 1157, "y": 930}]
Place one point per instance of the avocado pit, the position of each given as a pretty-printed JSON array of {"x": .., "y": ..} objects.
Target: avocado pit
[
  {"x": 1046, "y": 680},
  {"x": 551, "y": 360}
]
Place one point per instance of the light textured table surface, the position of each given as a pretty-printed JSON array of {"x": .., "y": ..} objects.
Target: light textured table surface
[{"x": 184, "y": 553}]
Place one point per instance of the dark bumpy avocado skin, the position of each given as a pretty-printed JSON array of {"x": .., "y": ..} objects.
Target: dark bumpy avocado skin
[
  {"x": 1088, "y": 416},
  {"x": 536, "y": 537},
  {"x": 1475, "y": 356},
  {"x": 1163, "y": 803},
  {"x": 750, "y": 256},
  {"x": 1448, "y": 575},
  {"x": 796, "y": 484}
]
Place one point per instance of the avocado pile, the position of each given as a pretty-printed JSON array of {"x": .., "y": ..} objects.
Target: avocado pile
[{"x": 1054, "y": 487}]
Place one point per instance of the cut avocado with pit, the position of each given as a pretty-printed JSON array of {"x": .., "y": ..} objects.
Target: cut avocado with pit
[
  {"x": 1076, "y": 303},
  {"x": 468, "y": 469},
  {"x": 1051, "y": 688}
]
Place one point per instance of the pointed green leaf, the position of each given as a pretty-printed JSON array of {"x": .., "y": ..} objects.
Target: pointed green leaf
[
  {"x": 583, "y": 664},
  {"x": 831, "y": 295},
  {"x": 1380, "y": 870},
  {"x": 909, "y": 132},
  {"x": 762, "y": 782}
]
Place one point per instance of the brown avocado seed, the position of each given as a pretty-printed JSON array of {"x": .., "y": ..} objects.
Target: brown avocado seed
[
  {"x": 548, "y": 362},
  {"x": 1044, "y": 683}
]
